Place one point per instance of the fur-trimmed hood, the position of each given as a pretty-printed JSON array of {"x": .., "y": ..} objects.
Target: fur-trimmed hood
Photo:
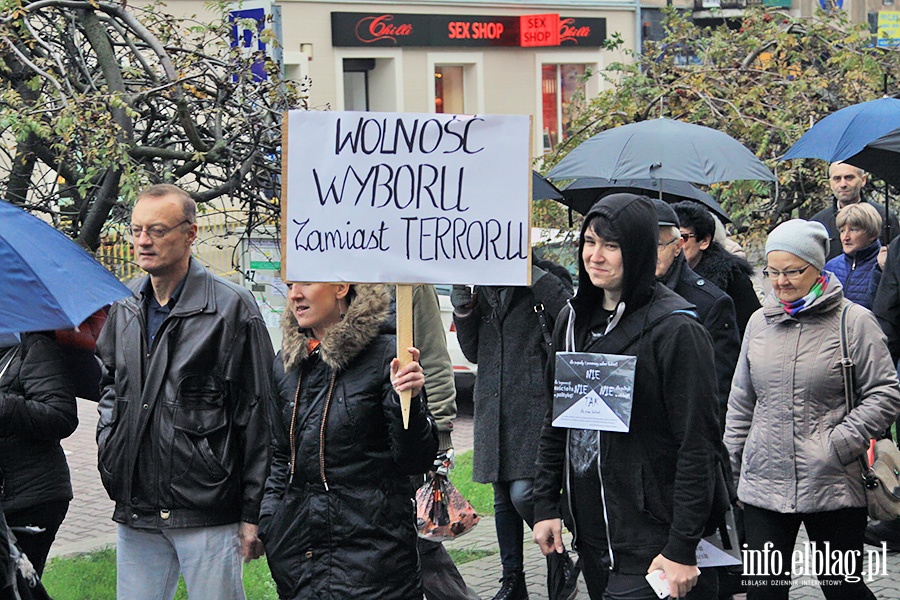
[
  {"x": 720, "y": 266},
  {"x": 365, "y": 317}
]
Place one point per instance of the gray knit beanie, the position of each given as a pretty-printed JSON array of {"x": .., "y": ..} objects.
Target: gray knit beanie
[{"x": 806, "y": 239}]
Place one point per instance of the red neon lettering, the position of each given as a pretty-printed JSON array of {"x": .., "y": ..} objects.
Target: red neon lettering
[
  {"x": 373, "y": 29},
  {"x": 487, "y": 31},
  {"x": 569, "y": 33}
]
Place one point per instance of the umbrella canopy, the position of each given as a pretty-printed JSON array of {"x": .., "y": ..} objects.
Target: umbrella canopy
[
  {"x": 662, "y": 149},
  {"x": 581, "y": 194},
  {"x": 880, "y": 158},
  {"x": 48, "y": 281},
  {"x": 541, "y": 189},
  {"x": 846, "y": 132}
]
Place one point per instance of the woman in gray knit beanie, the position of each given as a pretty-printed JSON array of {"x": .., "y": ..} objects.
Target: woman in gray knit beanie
[{"x": 792, "y": 443}]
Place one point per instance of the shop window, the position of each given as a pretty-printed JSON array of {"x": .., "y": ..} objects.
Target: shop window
[
  {"x": 449, "y": 89},
  {"x": 356, "y": 83},
  {"x": 558, "y": 84}
]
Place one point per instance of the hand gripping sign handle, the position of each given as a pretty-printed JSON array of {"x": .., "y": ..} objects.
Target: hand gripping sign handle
[{"x": 404, "y": 341}]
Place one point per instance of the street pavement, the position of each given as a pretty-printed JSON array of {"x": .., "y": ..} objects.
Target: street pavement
[{"x": 88, "y": 525}]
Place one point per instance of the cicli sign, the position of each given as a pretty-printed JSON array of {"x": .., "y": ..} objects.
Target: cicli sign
[
  {"x": 421, "y": 30},
  {"x": 406, "y": 198},
  {"x": 381, "y": 27}
]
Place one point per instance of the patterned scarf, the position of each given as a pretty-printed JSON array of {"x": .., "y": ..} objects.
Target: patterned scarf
[{"x": 816, "y": 291}]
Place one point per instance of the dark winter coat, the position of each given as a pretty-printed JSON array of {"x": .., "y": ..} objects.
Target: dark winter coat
[
  {"x": 856, "y": 273},
  {"x": 183, "y": 438},
  {"x": 657, "y": 480},
  {"x": 887, "y": 300},
  {"x": 731, "y": 274},
  {"x": 340, "y": 522},
  {"x": 716, "y": 312},
  {"x": 37, "y": 410},
  {"x": 503, "y": 336},
  {"x": 828, "y": 217}
]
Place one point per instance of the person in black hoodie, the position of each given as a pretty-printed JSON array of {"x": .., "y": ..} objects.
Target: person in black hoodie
[
  {"x": 639, "y": 501},
  {"x": 732, "y": 274}
]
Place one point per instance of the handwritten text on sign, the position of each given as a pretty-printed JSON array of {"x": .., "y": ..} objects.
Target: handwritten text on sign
[{"x": 407, "y": 198}]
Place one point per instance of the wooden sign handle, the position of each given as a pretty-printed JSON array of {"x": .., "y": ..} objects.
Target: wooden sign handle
[{"x": 404, "y": 341}]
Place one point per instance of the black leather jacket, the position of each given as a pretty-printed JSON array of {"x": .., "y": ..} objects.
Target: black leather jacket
[{"x": 183, "y": 436}]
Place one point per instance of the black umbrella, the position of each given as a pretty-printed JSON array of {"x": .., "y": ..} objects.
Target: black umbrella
[
  {"x": 581, "y": 194},
  {"x": 541, "y": 189},
  {"x": 662, "y": 149},
  {"x": 880, "y": 158}
]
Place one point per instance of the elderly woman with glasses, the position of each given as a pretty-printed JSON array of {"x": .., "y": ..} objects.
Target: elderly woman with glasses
[
  {"x": 859, "y": 225},
  {"x": 793, "y": 445}
]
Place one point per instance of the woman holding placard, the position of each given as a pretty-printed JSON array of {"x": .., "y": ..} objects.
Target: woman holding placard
[
  {"x": 337, "y": 518},
  {"x": 640, "y": 500},
  {"x": 793, "y": 444}
]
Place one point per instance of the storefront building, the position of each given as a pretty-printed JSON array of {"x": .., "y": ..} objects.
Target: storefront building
[{"x": 456, "y": 57}]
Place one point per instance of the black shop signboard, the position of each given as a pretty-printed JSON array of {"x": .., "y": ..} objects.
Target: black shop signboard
[{"x": 456, "y": 31}]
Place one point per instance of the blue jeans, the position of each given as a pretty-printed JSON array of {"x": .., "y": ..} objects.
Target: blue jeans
[
  {"x": 513, "y": 503},
  {"x": 149, "y": 563}
]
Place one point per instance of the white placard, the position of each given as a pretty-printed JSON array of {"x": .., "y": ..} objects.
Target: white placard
[{"x": 407, "y": 198}]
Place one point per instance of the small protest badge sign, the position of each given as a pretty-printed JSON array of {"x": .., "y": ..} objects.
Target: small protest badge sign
[{"x": 593, "y": 391}]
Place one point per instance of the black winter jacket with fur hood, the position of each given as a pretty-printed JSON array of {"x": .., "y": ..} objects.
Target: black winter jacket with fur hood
[{"x": 333, "y": 524}]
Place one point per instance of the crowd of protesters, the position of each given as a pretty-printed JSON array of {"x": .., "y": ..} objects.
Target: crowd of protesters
[{"x": 216, "y": 450}]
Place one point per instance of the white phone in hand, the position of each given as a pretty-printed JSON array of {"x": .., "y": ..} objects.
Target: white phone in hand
[{"x": 659, "y": 585}]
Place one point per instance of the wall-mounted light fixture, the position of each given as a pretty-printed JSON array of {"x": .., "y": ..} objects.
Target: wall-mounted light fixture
[{"x": 307, "y": 49}]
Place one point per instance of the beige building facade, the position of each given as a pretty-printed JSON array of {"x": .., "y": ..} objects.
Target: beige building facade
[{"x": 454, "y": 56}]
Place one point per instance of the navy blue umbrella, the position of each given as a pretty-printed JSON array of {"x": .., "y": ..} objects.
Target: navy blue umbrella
[
  {"x": 880, "y": 158},
  {"x": 48, "y": 281},
  {"x": 846, "y": 132}
]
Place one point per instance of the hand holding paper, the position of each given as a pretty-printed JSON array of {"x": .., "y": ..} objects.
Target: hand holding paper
[{"x": 681, "y": 578}]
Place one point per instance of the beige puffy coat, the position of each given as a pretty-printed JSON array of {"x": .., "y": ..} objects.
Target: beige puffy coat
[{"x": 793, "y": 446}]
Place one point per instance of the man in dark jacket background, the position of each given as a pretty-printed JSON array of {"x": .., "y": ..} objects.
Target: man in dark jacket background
[
  {"x": 183, "y": 436},
  {"x": 847, "y": 183},
  {"x": 714, "y": 307}
]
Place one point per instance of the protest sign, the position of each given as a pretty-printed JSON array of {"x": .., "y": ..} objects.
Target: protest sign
[
  {"x": 593, "y": 391},
  {"x": 406, "y": 198}
]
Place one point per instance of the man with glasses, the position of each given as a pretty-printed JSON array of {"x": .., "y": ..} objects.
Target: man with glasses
[
  {"x": 714, "y": 308},
  {"x": 183, "y": 436},
  {"x": 710, "y": 260}
]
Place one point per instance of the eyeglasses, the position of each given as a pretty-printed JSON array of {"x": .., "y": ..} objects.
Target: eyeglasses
[
  {"x": 790, "y": 273},
  {"x": 156, "y": 231},
  {"x": 669, "y": 243},
  {"x": 687, "y": 236}
]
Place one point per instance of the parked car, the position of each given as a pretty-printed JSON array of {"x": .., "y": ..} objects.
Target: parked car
[{"x": 463, "y": 371}]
